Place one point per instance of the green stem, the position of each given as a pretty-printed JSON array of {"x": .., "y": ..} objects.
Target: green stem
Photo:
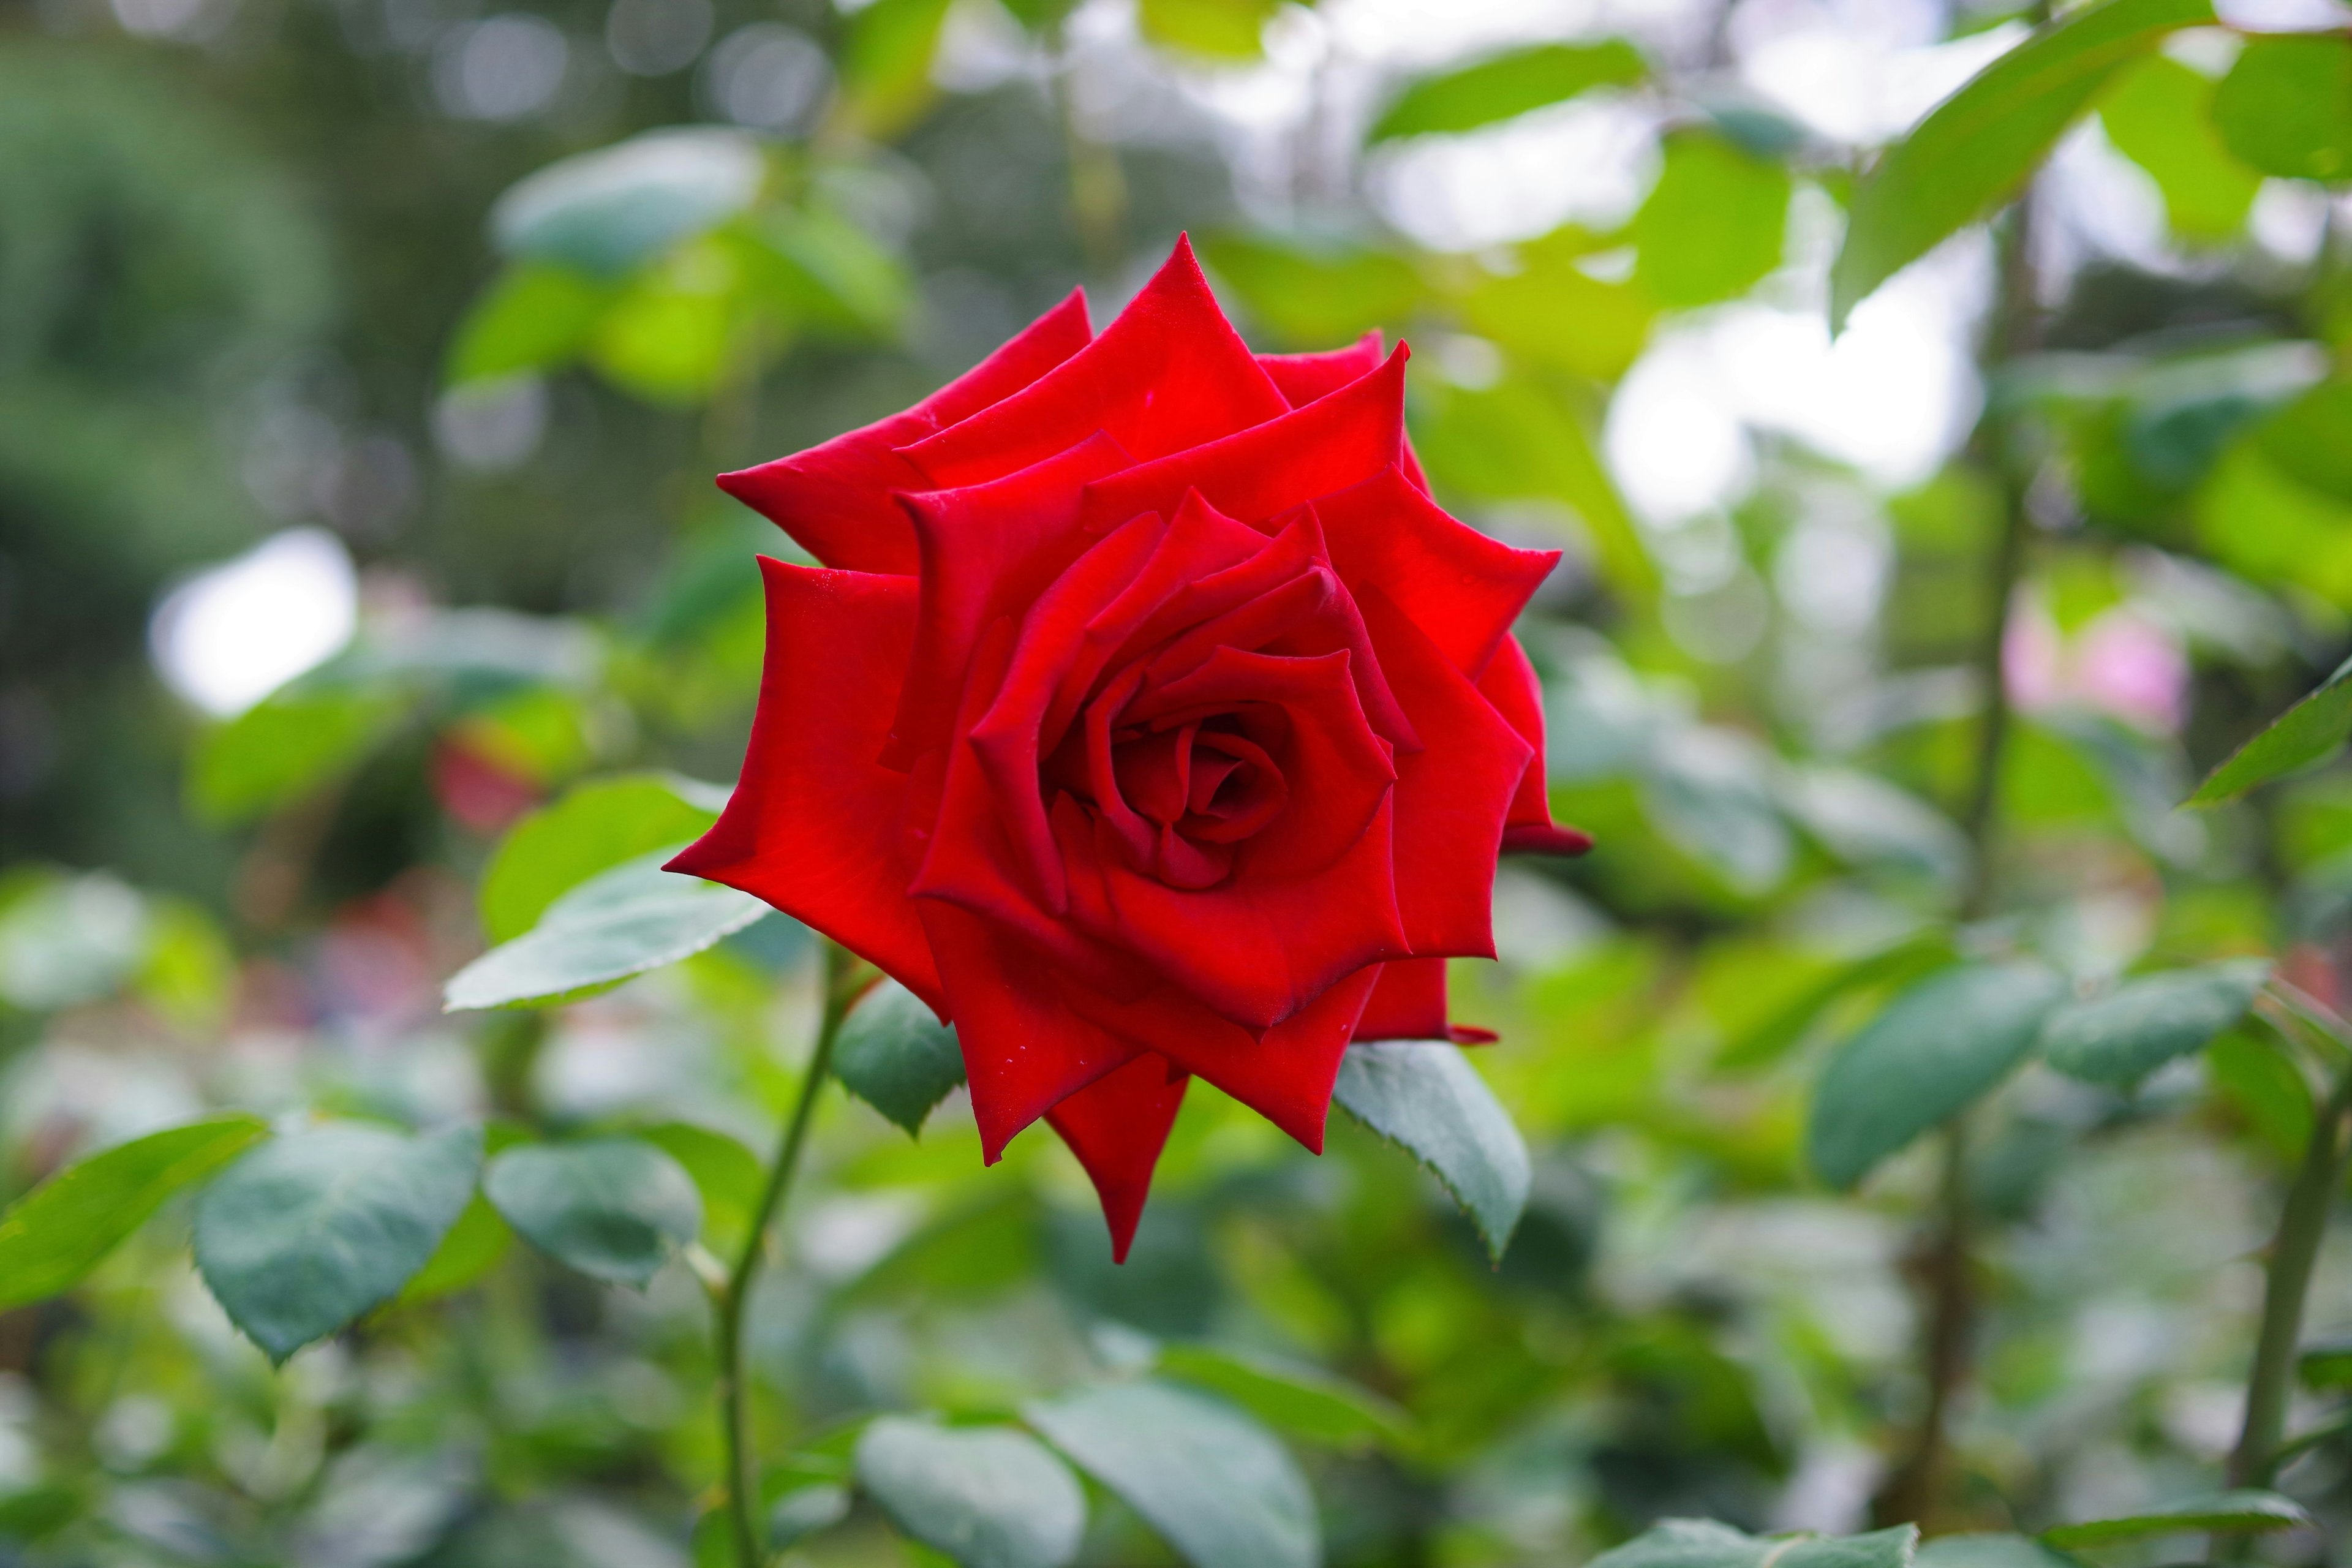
[
  {"x": 733, "y": 1294},
  {"x": 1947, "y": 1265},
  {"x": 2303, "y": 1225}
]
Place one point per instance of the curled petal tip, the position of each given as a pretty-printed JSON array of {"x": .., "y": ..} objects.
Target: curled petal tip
[{"x": 1542, "y": 838}]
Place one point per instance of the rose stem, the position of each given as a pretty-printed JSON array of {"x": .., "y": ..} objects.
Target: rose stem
[
  {"x": 731, "y": 1297},
  {"x": 1947, "y": 1267}
]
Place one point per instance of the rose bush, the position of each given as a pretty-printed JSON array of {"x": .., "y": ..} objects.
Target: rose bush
[{"x": 1146, "y": 718}]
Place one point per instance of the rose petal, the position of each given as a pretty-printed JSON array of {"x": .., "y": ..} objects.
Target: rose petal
[
  {"x": 1452, "y": 797},
  {"x": 1285, "y": 1075},
  {"x": 1117, "y": 1126},
  {"x": 1408, "y": 1003},
  {"x": 1460, "y": 587},
  {"x": 1510, "y": 684},
  {"x": 1303, "y": 378},
  {"x": 1025, "y": 1050},
  {"x": 987, "y": 550},
  {"x": 1169, "y": 373},
  {"x": 813, "y": 826},
  {"x": 1261, "y": 472},
  {"x": 836, "y": 500}
]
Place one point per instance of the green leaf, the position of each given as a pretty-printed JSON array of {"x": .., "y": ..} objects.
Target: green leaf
[
  {"x": 804, "y": 1511},
  {"x": 726, "y": 1173},
  {"x": 2227, "y": 1513},
  {"x": 38, "y": 1511},
  {"x": 2124, "y": 1036},
  {"x": 886, "y": 65},
  {"x": 988, "y": 1497},
  {"x": 2311, "y": 730},
  {"x": 613, "y": 1209},
  {"x": 1311, "y": 296},
  {"x": 1506, "y": 86},
  {"x": 673, "y": 332},
  {"x": 471, "y": 1250},
  {"x": 1772, "y": 1038},
  {"x": 311, "y": 1230},
  {"x": 2287, "y": 105},
  {"x": 282, "y": 749},
  {"x": 1304, "y": 1401},
  {"x": 1224, "y": 30},
  {"x": 1713, "y": 225},
  {"x": 1214, "y": 1483},
  {"x": 2159, "y": 113},
  {"x": 896, "y": 1056},
  {"x": 828, "y": 271},
  {"x": 617, "y": 923},
  {"x": 1424, "y": 1097},
  {"x": 1979, "y": 146},
  {"x": 596, "y": 825},
  {"x": 54, "y": 1235},
  {"x": 609, "y": 212},
  {"x": 2326, "y": 1364},
  {"x": 1991, "y": 1551},
  {"x": 2264, "y": 1086},
  {"x": 1704, "y": 1543},
  {"x": 1553, "y": 312},
  {"x": 534, "y": 316},
  {"x": 1931, "y": 1054}
]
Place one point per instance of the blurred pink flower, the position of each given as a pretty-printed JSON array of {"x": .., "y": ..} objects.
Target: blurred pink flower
[{"x": 2121, "y": 663}]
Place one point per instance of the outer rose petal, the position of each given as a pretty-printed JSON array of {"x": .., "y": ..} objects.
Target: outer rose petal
[
  {"x": 1452, "y": 799},
  {"x": 1331, "y": 445},
  {"x": 1117, "y": 1126},
  {"x": 813, "y": 826},
  {"x": 1025, "y": 1050},
  {"x": 1170, "y": 373},
  {"x": 1303, "y": 378},
  {"x": 1285, "y": 1075},
  {"x": 1460, "y": 587},
  {"x": 836, "y": 500},
  {"x": 1409, "y": 1004},
  {"x": 1510, "y": 684}
]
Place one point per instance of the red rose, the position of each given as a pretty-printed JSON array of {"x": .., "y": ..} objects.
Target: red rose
[{"x": 1147, "y": 718}]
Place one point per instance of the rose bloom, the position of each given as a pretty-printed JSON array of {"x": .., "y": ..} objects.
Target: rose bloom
[{"x": 1146, "y": 718}]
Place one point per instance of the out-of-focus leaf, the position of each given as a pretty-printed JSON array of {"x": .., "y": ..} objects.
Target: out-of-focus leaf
[
  {"x": 613, "y": 1208},
  {"x": 189, "y": 971},
  {"x": 37, "y": 1511},
  {"x": 1934, "y": 1051},
  {"x": 1222, "y": 30},
  {"x": 1312, "y": 296},
  {"x": 1864, "y": 820},
  {"x": 1423, "y": 1096},
  {"x": 608, "y": 212},
  {"x": 2226, "y": 1513},
  {"x": 1506, "y": 86},
  {"x": 1521, "y": 439},
  {"x": 1991, "y": 1551},
  {"x": 311, "y": 1230},
  {"x": 282, "y": 749},
  {"x": 1978, "y": 146},
  {"x": 1713, "y": 224},
  {"x": 535, "y": 316},
  {"x": 475, "y": 1244},
  {"x": 2262, "y": 521},
  {"x": 2325, "y": 1365},
  {"x": 896, "y": 1056},
  {"x": 2264, "y": 1086},
  {"x": 674, "y": 331},
  {"x": 1704, "y": 1543},
  {"x": 2287, "y": 105},
  {"x": 2159, "y": 113},
  {"x": 804, "y": 1511},
  {"x": 619, "y": 922},
  {"x": 726, "y": 1173},
  {"x": 2314, "y": 728},
  {"x": 989, "y": 1496},
  {"x": 1898, "y": 963},
  {"x": 67, "y": 940},
  {"x": 2124, "y": 1036},
  {"x": 830, "y": 273},
  {"x": 1305, "y": 1402},
  {"x": 886, "y": 65},
  {"x": 1551, "y": 311},
  {"x": 596, "y": 827},
  {"x": 54, "y": 1235},
  {"x": 1214, "y": 1483}
]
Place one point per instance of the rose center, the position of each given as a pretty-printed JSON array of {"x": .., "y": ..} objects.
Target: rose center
[{"x": 1178, "y": 793}]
